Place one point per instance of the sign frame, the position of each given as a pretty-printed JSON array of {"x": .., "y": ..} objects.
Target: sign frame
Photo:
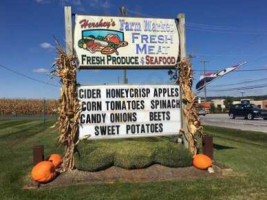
[
  {"x": 126, "y": 67},
  {"x": 180, "y": 24}
]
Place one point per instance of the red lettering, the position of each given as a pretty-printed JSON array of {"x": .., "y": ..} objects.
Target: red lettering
[
  {"x": 151, "y": 60},
  {"x": 106, "y": 24}
]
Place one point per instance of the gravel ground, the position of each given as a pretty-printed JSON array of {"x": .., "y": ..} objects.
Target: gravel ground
[{"x": 114, "y": 174}]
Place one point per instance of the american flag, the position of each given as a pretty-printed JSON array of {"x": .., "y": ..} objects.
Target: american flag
[{"x": 206, "y": 78}]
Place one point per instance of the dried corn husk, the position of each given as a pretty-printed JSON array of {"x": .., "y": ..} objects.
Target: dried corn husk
[
  {"x": 69, "y": 112},
  {"x": 193, "y": 128}
]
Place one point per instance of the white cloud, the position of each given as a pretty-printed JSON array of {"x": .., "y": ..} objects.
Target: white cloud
[
  {"x": 51, "y": 1},
  {"x": 93, "y": 3},
  {"x": 41, "y": 1},
  {"x": 76, "y": 2},
  {"x": 100, "y": 3},
  {"x": 46, "y": 45},
  {"x": 106, "y": 4},
  {"x": 70, "y": 2},
  {"x": 40, "y": 70},
  {"x": 80, "y": 8},
  {"x": 80, "y": 4}
]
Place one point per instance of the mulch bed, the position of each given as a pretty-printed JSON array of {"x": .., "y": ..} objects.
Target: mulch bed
[{"x": 151, "y": 174}]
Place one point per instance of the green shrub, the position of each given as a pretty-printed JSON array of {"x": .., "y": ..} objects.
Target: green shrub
[
  {"x": 173, "y": 155},
  {"x": 93, "y": 158},
  {"x": 131, "y": 153},
  {"x": 134, "y": 156}
]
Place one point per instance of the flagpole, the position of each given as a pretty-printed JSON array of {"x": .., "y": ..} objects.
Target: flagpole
[
  {"x": 123, "y": 13},
  {"x": 205, "y": 89}
]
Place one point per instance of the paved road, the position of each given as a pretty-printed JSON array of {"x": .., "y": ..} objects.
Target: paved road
[{"x": 222, "y": 120}]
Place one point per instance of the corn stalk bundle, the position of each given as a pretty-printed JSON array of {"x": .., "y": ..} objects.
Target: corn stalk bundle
[
  {"x": 69, "y": 111},
  {"x": 193, "y": 128}
]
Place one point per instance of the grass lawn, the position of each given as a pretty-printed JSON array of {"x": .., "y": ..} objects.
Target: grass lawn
[{"x": 245, "y": 152}]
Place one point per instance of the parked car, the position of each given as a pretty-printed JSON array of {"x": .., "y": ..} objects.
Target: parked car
[
  {"x": 202, "y": 112},
  {"x": 248, "y": 111}
]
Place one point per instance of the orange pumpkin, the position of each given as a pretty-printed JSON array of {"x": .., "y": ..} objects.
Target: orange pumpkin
[
  {"x": 55, "y": 159},
  {"x": 202, "y": 161},
  {"x": 43, "y": 172}
]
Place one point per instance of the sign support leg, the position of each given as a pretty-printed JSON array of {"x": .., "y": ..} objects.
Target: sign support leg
[
  {"x": 191, "y": 127},
  {"x": 68, "y": 30},
  {"x": 182, "y": 56}
]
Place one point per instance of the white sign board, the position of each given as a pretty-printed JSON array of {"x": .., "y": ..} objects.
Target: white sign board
[
  {"x": 124, "y": 111},
  {"x": 120, "y": 42}
]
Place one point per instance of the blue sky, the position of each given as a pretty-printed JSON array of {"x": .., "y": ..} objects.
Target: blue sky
[{"x": 224, "y": 33}]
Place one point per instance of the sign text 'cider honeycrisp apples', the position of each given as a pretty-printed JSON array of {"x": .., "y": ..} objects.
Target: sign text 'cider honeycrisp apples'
[
  {"x": 118, "y": 42},
  {"x": 124, "y": 111}
]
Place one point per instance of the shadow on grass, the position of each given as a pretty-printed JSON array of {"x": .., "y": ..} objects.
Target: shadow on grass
[
  {"x": 232, "y": 134},
  {"x": 222, "y": 147},
  {"x": 13, "y": 124},
  {"x": 31, "y": 130}
]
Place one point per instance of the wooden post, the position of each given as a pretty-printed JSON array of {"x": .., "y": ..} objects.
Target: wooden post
[
  {"x": 207, "y": 145},
  {"x": 68, "y": 30},
  {"x": 182, "y": 56},
  {"x": 66, "y": 64},
  {"x": 125, "y": 80},
  {"x": 181, "y": 31},
  {"x": 44, "y": 113},
  {"x": 38, "y": 154}
]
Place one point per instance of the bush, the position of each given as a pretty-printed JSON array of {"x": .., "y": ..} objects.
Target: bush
[
  {"x": 96, "y": 160},
  {"x": 173, "y": 156},
  {"x": 131, "y": 154}
]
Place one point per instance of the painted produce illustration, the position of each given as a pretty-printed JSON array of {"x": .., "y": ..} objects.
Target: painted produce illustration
[{"x": 105, "y": 41}]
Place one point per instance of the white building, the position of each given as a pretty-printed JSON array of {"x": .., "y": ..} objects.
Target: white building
[{"x": 218, "y": 103}]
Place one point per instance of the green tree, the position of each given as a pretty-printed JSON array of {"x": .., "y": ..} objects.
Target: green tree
[
  {"x": 227, "y": 103},
  {"x": 219, "y": 109},
  {"x": 212, "y": 108}
]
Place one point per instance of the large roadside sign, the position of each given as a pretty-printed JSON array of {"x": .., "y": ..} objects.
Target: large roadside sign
[
  {"x": 125, "y": 111},
  {"x": 125, "y": 42}
]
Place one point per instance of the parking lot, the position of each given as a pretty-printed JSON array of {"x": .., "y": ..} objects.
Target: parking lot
[{"x": 223, "y": 120}]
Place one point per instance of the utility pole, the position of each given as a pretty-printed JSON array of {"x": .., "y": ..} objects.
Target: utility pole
[
  {"x": 44, "y": 113},
  {"x": 205, "y": 89},
  {"x": 123, "y": 13},
  {"x": 242, "y": 94}
]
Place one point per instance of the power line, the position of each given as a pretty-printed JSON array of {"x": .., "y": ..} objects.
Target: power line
[
  {"x": 247, "y": 46},
  {"x": 139, "y": 13},
  {"x": 221, "y": 55},
  {"x": 241, "y": 88},
  {"x": 239, "y": 70},
  {"x": 208, "y": 27},
  {"x": 26, "y": 76},
  {"x": 244, "y": 82},
  {"x": 217, "y": 31},
  {"x": 223, "y": 29}
]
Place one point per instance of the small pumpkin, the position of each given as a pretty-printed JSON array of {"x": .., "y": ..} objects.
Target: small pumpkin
[
  {"x": 56, "y": 159},
  {"x": 43, "y": 172},
  {"x": 202, "y": 161}
]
